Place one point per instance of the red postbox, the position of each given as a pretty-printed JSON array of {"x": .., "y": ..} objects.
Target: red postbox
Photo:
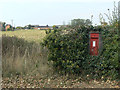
[{"x": 94, "y": 43}]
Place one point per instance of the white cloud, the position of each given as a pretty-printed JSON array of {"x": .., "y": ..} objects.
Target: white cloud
[{"x": 86, "y": 1}]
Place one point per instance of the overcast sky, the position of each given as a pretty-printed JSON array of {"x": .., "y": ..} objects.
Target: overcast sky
[{"x": 52, "y": 12}]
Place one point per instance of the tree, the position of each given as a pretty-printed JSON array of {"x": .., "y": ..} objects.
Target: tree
[
  {"x": 19, "y": 27},
  {"x": 88, "y": 22},
  {"x": 29, "y": 26},
  {"x": 80, "y": 22},
  {"x": 55, "y": 27}
]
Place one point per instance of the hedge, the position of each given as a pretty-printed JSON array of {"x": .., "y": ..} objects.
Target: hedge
[{"x": 68, "y": 49}]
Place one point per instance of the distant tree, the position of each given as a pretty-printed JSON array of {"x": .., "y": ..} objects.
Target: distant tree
[
  {"x": 14, "y": 28},
  {"x": 88, "y": 22},
  {"x": 54, "y": 27},
  {"x": 19, "y": 27},
  {"x": 9, "y": 29},
  {"x": 80, "y": 22},
  {"x": 29, "y": 26},
  {"x": 25, "y": 27}
]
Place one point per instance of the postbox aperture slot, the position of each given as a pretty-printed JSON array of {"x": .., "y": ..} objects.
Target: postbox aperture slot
[{"x": 94, "y": 37}]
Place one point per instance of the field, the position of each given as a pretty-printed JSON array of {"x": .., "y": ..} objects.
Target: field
[
  {"x": 29, "y": 35},
  {"x": 25, "y": 65}
]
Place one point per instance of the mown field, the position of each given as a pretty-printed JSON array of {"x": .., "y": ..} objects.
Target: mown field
[{"x": 25, "y": 65}]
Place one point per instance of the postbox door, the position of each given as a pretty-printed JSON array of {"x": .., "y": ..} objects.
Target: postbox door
[{"x": 94, "y": 47}]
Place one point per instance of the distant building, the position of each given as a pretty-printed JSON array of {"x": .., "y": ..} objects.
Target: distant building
[
  {"x": 62, "y": 26},
  {"x": 58, "y": 26},
  {"x": 34, "y": 26},
  {"x": 38, "y": 27},
  {"x": 43, "y": 27}
]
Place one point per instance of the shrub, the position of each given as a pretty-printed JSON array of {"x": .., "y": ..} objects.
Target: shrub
[
  {"x": 68, "y": 49},
  {"x": 106, "y": 64},
  {"x": 110, "y": 53}
]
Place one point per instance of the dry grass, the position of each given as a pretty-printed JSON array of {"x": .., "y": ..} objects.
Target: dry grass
[{"x": 22, "y": 53}]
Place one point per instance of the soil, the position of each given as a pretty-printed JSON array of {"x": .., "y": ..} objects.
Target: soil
[{"x": 56, "y": 81}]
